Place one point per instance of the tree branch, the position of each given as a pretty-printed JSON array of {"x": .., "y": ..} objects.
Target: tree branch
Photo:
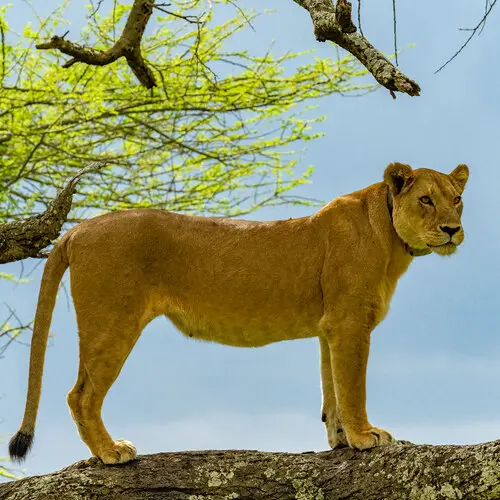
[
  {"x": 343, "y": 16},
  {"x": 26, "y": 238},
  {"x": 327, "y": 26},
  {"x": 389, "y": 473},
  {"x": 128, "y": 46}
]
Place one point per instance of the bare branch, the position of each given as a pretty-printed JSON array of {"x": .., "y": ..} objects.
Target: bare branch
[
  {"x": 327, "y": 27},
  {"x": 26, "y": 238},
  {"x": 473, "y": 31},
  {"x": 128, "y": 46}
]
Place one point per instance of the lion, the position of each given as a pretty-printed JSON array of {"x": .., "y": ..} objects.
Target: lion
[{"x": 243, "y": 283}]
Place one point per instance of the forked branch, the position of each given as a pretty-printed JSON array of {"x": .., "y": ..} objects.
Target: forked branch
[{"x": 128, "y": 46}]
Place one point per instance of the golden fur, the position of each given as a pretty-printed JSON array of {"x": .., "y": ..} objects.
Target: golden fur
[{"x": 247, "y": 284}]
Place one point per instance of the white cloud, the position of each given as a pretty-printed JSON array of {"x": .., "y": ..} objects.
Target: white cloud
[{"x": 292, "y": 432}]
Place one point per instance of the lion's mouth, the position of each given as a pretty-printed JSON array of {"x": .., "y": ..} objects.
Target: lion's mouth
[
  {"x": 444, "y": 249},
  {"x": 448, "y": 243}
]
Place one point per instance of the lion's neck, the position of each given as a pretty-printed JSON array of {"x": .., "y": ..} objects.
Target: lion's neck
[
  {"x": 386, "y": 241},
  {"x": 414, "y": 252}
]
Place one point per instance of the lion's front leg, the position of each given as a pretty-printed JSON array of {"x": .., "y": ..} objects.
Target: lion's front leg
[
  {"x": 348, "y": 341},
  {"x": 329, "y": 414}
]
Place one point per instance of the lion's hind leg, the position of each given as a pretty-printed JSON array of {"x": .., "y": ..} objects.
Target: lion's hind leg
[
  {"x": 85, "y": 404},
  {"x": 106, "y": 340}
]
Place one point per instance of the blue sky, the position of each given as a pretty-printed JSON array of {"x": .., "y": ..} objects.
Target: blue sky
[{"x": 433, "y": 373}]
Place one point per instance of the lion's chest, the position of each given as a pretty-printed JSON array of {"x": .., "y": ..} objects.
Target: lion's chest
[{"x": 386, "y": 292}]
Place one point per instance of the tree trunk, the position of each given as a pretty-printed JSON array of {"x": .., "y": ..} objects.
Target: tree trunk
[{"x": 398, "y": 472}]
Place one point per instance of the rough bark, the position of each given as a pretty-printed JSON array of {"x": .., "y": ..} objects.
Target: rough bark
[
  {"x": 330, "y": 24},
  {"x": 398, "y": 472},
  {"x": 26, "y": 238}
]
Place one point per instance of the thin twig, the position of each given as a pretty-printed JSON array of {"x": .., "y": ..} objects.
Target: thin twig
[
  {"x": 395, "y": 31},
  {"x": 12, "y": 332},
  {"x": 486, "y": 5},
  {"x": 2, "y": 33},
  {"x": 242, "y": 12},
  {"x": 473, "y": 32},
  {"x": 189, "y": 19},
  {"x": 96, "y": 9},
  {"x": 359, "y": 18}
]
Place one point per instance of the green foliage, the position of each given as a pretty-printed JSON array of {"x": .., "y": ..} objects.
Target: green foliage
[
  {"x": 216, "y": 137},
  {"x": 5, "y": 473},
  {"x": 11, "y": 277}
]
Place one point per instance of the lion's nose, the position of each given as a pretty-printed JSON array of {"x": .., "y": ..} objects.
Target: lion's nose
[{"x": 451, "y": 230}]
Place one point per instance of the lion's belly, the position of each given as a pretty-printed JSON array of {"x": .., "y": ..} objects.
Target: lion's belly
[{"x": 245, "y": 331}]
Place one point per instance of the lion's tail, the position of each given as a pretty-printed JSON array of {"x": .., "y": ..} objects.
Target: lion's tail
[{"x": 56, "y": 265}]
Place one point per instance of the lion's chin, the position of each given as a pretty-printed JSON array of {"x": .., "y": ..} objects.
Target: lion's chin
[{"x": 446, "y": 249}]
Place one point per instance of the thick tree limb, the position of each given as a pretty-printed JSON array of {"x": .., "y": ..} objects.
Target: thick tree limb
[
  {"x": 330, "y": 25},
  {"x": 26, "y": 238},
  {"x": 128, "y": 46},
  {"x": 392, "y": 473},
  {"x": 343, "y": 16}
]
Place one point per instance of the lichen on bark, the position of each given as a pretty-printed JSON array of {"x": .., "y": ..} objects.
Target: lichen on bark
[{"x": 401, "y": 471}]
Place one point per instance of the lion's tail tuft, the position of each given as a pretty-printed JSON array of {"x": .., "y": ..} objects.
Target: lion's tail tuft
[{"x": 20, "y": 445}]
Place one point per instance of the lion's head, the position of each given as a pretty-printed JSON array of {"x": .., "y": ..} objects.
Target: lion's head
[{"x": 427, "y": 206}]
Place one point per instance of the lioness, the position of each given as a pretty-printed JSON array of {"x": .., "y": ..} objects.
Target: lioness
[{"x": 247, "y": 284}]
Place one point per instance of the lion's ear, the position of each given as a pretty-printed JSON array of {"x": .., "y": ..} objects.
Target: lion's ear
[
  {"x": 398, "y": 176},
  {"x": 460, "y": 176}
]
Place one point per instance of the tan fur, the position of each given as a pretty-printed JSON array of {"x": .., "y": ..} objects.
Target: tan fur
[{"x": 247, "y": 284}]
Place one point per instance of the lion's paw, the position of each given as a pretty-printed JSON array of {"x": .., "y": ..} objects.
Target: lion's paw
[
  {"x": 337, "y": 438},
  {"x": 123, "y": 451},
  {"x": 371, "y": 438},
  {"x": 335, "y": 433}
]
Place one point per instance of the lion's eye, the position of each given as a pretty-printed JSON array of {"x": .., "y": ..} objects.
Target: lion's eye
[
  {"x": 426, "y": 200},
  {"x": 457, "y": 200}
]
